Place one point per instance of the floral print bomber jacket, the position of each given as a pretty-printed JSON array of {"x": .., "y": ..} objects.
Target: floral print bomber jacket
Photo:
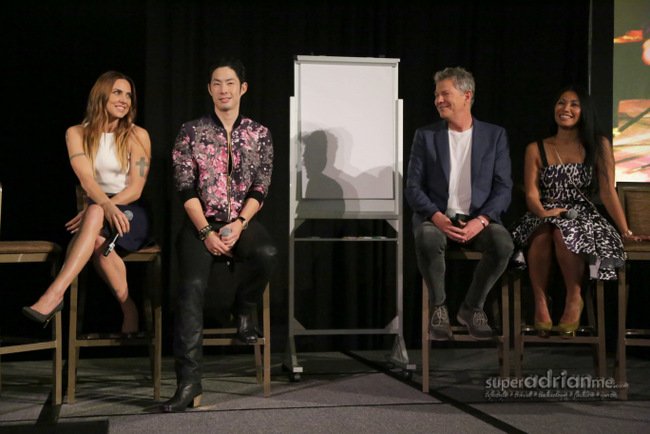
[{"x": 223, "y": 175}]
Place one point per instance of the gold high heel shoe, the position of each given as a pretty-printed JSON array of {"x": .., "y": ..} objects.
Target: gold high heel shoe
[
  {"x": 568, "y": 330},
  {"x": 543, "y": 329}
]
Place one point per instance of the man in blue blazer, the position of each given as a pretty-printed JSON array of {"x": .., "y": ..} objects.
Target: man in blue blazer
[{"x": 458, "y": 185}]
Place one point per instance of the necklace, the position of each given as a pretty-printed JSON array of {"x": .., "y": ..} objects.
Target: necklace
[{"x": 569, "y": 148}]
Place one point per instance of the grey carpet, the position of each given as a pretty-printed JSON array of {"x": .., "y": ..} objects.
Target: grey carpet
[{"x": 338, "y": 393}]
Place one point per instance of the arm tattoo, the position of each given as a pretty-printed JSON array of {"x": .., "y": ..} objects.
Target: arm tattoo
[
  {"x": 143, "y": 165},
  {"x": 80, "y": 154}
]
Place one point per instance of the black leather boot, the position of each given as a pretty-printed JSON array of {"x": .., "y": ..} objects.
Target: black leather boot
[
  {"x": 246, "y": 331},
  {"x": 260, "y": 261},
  {"x": 187, "y": 395},
  {"x": 188, "y": 349}
]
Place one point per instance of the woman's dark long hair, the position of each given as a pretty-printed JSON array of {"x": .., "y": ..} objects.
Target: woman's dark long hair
[{"x": 589, "y": 133}]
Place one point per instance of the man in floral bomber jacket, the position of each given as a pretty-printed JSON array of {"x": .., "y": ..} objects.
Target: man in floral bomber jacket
[{"x": 222, "y": 168}]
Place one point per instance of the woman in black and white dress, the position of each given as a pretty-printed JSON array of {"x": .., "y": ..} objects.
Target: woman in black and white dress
[{"x": 561, "y": 173}]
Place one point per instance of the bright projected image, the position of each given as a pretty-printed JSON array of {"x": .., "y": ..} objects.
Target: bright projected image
[{"x": 632, "y": 90}]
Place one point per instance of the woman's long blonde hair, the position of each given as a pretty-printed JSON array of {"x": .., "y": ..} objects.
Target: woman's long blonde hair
[{"x": 97, "y": 118}]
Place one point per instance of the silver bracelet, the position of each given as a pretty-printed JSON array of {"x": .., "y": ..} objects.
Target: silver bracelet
[{"x": 482, "y": 221}]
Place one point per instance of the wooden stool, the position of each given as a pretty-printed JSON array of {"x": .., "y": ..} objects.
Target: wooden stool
[
  {"x": 595, "y": 327},
  {"x": 214, "y": 337},
  {"x": 635, "y": 200},
  {"x": 153, "y": 315},
  {"x": 460, "y": 332},
  {"x": 13, "y": 252},
  {"x": 152, "y": 337}
]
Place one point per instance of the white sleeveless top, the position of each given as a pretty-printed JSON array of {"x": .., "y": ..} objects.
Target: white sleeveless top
[{"x": 108, "y": 171}]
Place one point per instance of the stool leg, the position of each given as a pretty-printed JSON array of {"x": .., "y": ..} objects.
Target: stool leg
[
  {"x": 425, "y": 338},
  {"x": 505, "y": 328},
  {"x": 158, "y": 351},
  {"x": 57, "y": 336},
  {"x": 73, "y": 349},
  {"x": 600, "y": 305},
  {"x": 157, "y": 326},
  {"x": 498, "y": 318},
  {"x": 597, "y": 322},
  {"x": 266, "y": 319},
  {"x": 620, "y": 366},
  {"x": 153, "y": 319},
  {"x": 257, "y": 350},
  {"x": 518, "y": 338}
]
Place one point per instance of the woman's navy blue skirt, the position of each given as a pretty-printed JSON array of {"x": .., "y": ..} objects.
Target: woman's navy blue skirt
[{"x": 138, "y": 236}]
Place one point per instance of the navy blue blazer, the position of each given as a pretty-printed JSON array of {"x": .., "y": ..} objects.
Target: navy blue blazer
[{"x": 427, "y": 180}]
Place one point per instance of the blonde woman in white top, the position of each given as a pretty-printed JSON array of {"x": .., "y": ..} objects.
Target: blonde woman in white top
[{"x": 110, "y": 156}]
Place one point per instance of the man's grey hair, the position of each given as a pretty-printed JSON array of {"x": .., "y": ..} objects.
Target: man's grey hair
[{"x": 463, "y": 79}]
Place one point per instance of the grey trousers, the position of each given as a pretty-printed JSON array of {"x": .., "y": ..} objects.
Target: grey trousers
[{"x": 431, "y": 243}]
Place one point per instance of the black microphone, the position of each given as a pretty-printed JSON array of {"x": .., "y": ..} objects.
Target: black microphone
[
  {"x": 569, "y": 214},
  {"x": 111, "y": 245}
]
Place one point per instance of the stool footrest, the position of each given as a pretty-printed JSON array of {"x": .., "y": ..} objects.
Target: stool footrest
[
  {"x": 230, "y": 341},
  {"x": 637, "y": 332},
  {"x": 124, "y": 336}
]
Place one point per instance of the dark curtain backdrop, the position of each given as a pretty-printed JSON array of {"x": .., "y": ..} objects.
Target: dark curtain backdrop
[{"x": 520, "y": 53}]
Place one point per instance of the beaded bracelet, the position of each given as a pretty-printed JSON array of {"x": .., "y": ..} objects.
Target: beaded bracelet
[{"x": 205, "y": 232}]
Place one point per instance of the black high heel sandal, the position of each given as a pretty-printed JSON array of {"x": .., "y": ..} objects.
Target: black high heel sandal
[{"x": 42, "y": 318}]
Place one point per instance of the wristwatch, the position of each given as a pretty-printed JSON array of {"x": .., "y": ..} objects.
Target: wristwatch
[{"x": 244, "y": 223}]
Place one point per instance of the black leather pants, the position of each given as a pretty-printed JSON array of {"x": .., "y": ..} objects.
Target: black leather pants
[{"x": 253, "y": 250}]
